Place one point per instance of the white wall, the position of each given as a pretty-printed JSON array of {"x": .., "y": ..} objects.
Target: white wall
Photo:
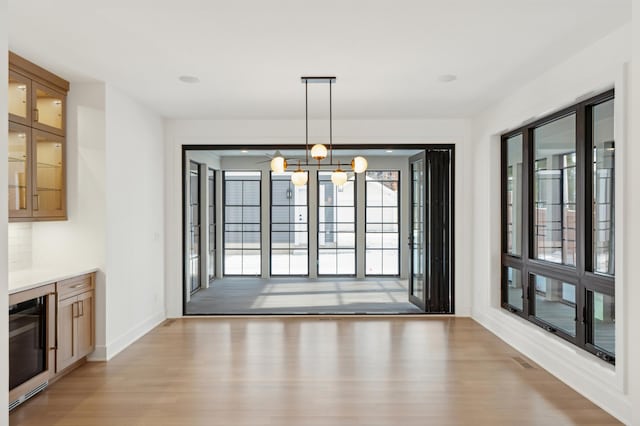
[
  {"x": 4, "y": 291},
  {"x": 81, "y": 240},
  {"x": 632, "y": 213},
  {"x": 600, "y": 66},
  {"x": 135, "y": 221},
  {"x": 277, "y": 132}
]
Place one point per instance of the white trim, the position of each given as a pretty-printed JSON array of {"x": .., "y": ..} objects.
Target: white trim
[
  {"x": 119, "y": 344},
  {"x": 570, "y": 364}
]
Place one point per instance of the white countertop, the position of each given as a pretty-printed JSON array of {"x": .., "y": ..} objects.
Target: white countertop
[{"x": 27, "y": 279}]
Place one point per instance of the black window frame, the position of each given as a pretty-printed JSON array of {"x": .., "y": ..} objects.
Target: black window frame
[
  {"x": 355, "y": 225},
  {"x": 366, "y": 221},
  {"x": 225, "y": 223},
  {"x": 271, "y": 231},
  {"x": 581, "y": 275}
]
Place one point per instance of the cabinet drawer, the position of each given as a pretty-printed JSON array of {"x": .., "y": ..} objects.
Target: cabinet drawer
[{"x": 74, "y": 286}]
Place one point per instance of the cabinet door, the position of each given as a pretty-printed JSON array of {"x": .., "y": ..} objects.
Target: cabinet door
[
  {"x": 20, "y": 200},
  {"x": 49, "y": 109},
  {"x": 19, "y": 98},
  {"x": 85, "y": 323},
  {"x": 48, "y": 175},
  {"x": 67, "y": 352}
]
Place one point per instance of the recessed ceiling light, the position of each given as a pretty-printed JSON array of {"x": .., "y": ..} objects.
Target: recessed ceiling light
[
  {"x": 447, "y": 78},
  {"x": 244, "y": 151},
  {"x": 189, "y": 79},
  {"x": 389, "y": 150}
]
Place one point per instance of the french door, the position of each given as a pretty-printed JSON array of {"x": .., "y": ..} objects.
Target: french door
[
  {"x": 194, "y": 227},
  {"x": 431, "y": 232}
]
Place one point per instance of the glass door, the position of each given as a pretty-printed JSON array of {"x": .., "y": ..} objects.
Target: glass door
[
  {"x": 211, "y": 189},
  {"x": 48, "y": 175},
  {"x": 431, "y": 234},
  {"x": 48, "y": 109},
  {"x": 194, "y": 227},
  {"x": 417, "y": 237},
  {"x": 19, "y": 94},
  {"x": 19, "y": 171}
]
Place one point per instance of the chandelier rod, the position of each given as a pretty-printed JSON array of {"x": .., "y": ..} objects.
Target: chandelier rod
[
  {"x": 330, "y": 125},
  {"x": 306, "y": 120}
]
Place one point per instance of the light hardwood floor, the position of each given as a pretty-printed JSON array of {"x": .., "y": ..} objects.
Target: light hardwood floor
[{"x": 312, "y": 371}]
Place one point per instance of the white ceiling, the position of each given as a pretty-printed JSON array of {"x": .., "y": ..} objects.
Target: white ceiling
[{"x": 250, "y": 54}]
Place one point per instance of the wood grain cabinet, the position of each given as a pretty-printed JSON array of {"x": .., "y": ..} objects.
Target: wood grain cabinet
[
  {"x": 37, "y": 141},
  {"x": 76, "y": 320}
]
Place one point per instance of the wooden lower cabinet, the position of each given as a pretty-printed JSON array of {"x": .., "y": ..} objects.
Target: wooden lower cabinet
[{"x": 76, "y": 320}]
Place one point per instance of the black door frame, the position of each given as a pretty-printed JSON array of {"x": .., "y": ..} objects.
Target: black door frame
[{"x": 249, "y": 147}]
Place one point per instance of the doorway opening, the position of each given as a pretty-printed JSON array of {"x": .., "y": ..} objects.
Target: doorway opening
[{"x": 381, "y": 243}]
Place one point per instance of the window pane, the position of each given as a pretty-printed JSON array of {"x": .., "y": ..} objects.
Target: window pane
[
  {"x": 232, "y": 262},
  {"x": 603, "y": 188},
  {"x": 373, "y": 241},
  {"x": 346, "y": 264},
  {"x": 603, "y": 321},
  {"x": 373, "y": 262},
  {"x": 390, "y": 265},
  {"x": 251, "y": 262},
  {"x": 233, "y": 193},
  {"x": 554, "y": 191},
  {"x": 555, "y": 303},
  {"x": 233, "y": 214},
  {"x": 515, "y": 292},
  {"x": 514, "y": 195}
]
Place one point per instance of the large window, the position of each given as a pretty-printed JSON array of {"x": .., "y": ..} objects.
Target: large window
[
  {"x": 382, "y": 223},
  {"x": 242, "y": 225},
  {"x": 558, "y": 236},
  {"x": 336, "y": 226},
  {"x": 289, "y": 226}
]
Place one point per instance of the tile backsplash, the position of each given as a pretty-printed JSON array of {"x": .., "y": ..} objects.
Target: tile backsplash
[{"x": 19, "y": 246}]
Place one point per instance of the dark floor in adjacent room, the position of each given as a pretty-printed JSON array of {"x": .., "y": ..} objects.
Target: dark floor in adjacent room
[{"x": 302, "y": 296}]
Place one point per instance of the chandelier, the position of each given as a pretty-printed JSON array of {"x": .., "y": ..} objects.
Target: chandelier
[{"x": 318, "y": 152}]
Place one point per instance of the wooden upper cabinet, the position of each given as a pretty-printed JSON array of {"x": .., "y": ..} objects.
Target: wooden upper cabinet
[{"x": 37, "y": 142}]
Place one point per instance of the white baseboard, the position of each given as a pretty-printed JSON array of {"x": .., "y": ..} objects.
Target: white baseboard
[
  {"x": 105, "y": 353},
  {"x": 587, "y": 375},
  {"x": 98, "y": 354}
]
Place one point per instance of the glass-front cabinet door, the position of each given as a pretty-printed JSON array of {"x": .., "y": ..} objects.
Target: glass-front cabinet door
[
  {"x": 19, "y": 143},
  {"x": 49, "y": 109},
  {"x": 19, "y": 96},
  {"x": 48, "y": 176}
]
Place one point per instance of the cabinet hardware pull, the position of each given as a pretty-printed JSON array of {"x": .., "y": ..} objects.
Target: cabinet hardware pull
[
  {"x": 73, "y": 310},
  {"x": 36, "y": 114},
  {"x": 82, "y": 308},
  {"x": 36, "y": 199},
  {"x": 79, "y": 285}
]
